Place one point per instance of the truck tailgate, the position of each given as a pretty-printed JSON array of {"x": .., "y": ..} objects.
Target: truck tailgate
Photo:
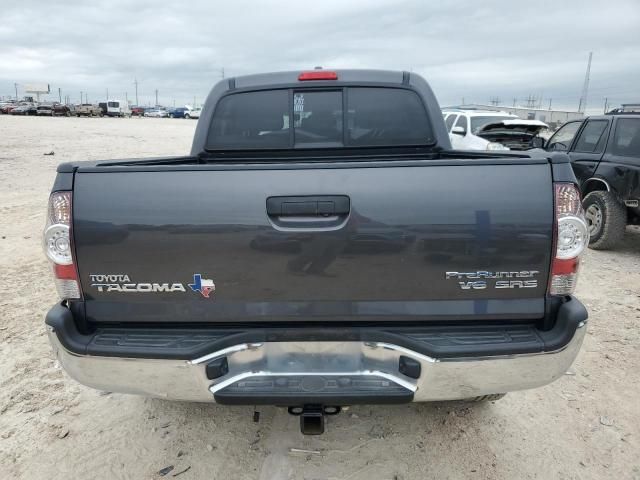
[{"x": 387, "y": 241}]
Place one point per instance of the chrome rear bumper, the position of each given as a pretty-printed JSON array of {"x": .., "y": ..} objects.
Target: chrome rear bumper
[{"x": 440, "y": 378}]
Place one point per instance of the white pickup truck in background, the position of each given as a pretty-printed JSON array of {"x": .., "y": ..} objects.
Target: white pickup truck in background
[{"x": 488, "y": 130}]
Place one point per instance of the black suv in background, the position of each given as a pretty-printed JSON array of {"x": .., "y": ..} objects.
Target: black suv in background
[{"x": 605, "y": 155}]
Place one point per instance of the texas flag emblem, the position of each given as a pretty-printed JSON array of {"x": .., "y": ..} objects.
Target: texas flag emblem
[{"x": 202, "y": 285}]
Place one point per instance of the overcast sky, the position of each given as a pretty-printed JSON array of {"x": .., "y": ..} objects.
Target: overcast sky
[{"x": 466, "y": 49}]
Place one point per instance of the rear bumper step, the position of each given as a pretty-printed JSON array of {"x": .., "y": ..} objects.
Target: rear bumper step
[
  {"x": 312, "y": 366},
  {"x": 323, "y": 389}
]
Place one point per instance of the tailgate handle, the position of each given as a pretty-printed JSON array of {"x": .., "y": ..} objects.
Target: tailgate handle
[{"x": 309, "y": 206}]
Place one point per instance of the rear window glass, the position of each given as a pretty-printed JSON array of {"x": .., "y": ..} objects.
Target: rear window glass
[
  {"x": 318, "y": 118},
  {"x": 386, "y": 116},
  {"x": 251, "y": 120},
  {"x": 372, "y": 117}
]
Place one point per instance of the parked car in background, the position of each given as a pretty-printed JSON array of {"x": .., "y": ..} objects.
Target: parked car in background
[
  {"x": 178, "y": 112},
  {"x": 137, "y": 111},
  {"x": 605, "y": 155},
  {"x": 157, "y": 113},
  {"x": 489, "y": 130},
  {"x": 8, "y": 108},
  {"x": 193, "y": 113},
  {"x": 5, "y": 107},
  {"x": 25, "y": 109},
  {"x": 44, "y": 109},
  {"x": 117, "y": 108},
  {"x": 60, "y": 109},
  {"x": 87, "y": 110}
]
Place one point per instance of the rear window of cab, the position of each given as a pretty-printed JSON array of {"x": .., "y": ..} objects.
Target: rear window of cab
[{"x": 313, "y": 118}]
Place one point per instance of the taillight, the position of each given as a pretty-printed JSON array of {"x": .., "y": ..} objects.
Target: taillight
[
  {"x": 571, "y": 237},
  {"x": 58, "y": 246},
  {"x": 317, "y": 75}
]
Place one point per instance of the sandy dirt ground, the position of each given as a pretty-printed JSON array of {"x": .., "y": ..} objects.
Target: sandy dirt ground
[{"x": 584, "y": 426}]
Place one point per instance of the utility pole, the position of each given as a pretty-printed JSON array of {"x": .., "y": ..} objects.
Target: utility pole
[
  {"x": 515, "y": 100},
  {"x": 107, "y": 95},
  {"x": 550, "y": 104},
  {"x": 531, "y": 101},
  {"x": 15, "y": 85},
  {"x": 135, "y": 82},
  {"x": 80, "y": 97},
  {"x": 126, "y": 98},
  {"x": 156, "y": 97},
  {"x": 585, "y": 87},
  {"x": 59, "y": 94}
]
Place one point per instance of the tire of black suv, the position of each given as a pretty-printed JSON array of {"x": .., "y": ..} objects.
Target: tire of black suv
[{"x": 606, "y": 218}]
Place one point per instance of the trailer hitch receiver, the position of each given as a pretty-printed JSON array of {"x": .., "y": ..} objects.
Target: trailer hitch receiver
[{"x": 312, "y": 417}]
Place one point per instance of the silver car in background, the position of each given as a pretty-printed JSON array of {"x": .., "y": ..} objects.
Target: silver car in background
[{"x": 157, "y": 113}]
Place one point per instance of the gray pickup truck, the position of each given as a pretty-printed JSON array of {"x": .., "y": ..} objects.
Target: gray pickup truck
[{"x": 322, "y": 246}]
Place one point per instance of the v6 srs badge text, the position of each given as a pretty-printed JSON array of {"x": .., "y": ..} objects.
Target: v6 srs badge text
[{"x": 478, "y": 280}]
